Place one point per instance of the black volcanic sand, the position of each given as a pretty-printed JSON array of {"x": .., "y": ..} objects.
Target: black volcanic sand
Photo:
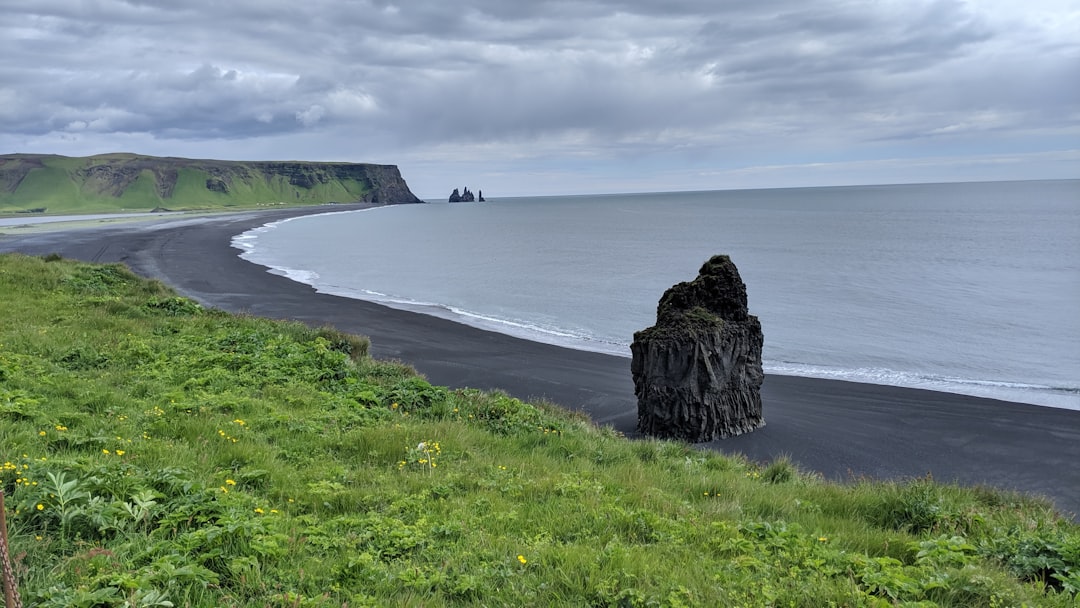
[{"x": 841, "y": 429}]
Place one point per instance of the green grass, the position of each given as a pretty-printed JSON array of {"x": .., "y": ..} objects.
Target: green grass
[
  {"x": 156, "y": 453},
  {"x": 63, "y": 185}
]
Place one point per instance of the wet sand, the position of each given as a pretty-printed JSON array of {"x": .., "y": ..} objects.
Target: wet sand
[{"x": 840, "y": 429}]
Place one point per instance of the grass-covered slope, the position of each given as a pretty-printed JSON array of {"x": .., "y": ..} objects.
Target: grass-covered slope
[
  {"x": 32, "y": 183},
  {"x": 156, "y": 453}
]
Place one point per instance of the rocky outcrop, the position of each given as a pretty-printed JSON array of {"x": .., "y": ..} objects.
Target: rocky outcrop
[
  {"x": 381, "y": 183},
  {"x": 697, "y": 372},
  {"x": 216, "y": 184},
  {"x": 463, "y": 197}
]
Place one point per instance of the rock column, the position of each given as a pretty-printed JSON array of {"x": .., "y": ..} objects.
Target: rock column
[{"x": 697, "y": 372}]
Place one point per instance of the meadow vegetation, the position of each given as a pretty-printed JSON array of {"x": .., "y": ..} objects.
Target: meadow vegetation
[
  {"x": 128, "y": 182},
  {"x": 156, "y": 453}
]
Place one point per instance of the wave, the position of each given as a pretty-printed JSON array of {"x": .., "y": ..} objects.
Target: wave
[
  {"x": 1065, "y": 397},
  {"x": 518, "y": 328}
]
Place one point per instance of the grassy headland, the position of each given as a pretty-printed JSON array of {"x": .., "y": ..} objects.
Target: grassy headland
[
  {"x": 39, "y": 183},
  {"x": 157, "y": 453}
]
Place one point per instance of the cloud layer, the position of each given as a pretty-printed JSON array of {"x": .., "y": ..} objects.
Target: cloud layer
[{"x": 556, "y": 96}]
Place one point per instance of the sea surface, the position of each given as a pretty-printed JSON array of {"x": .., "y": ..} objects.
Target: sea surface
[{"x": 969, "y": 288}]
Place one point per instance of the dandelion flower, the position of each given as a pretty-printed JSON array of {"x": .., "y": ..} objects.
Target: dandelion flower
[
  {"x": 105, "y": 451},
  {"x": 823, "y": 539},
  {"x": 40, "y": 507},
  {"x": 230, "y": 482},
  {"x": 41, "y": 433},
  {"x": 521, "y": 558},
  {"x": 119, "y": 452},
  {"x": 259, "y": 510}
]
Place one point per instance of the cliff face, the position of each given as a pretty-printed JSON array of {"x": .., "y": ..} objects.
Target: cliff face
[
  {"x": 136, "y": 182},
  {"x": 697, "y": 372}
]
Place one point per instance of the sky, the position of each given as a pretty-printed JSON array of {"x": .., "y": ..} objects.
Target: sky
[{"x": 546, "y": 97}]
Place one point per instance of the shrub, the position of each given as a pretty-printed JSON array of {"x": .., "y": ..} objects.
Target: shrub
[{"x": 356, "y": 347}]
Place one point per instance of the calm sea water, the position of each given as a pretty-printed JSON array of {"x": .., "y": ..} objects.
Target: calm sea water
[{"x": 967, "y": 288}]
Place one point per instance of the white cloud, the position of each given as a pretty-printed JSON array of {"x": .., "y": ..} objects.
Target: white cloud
[{"x": 311, "y": 116}]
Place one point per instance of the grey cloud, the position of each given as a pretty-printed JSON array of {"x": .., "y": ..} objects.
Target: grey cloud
[{"x": 621, "y": 76}]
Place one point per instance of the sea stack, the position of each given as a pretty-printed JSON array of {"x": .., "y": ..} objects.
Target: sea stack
[
  {"x": 697, "y": 372},
  {"x": 462, "y": 197}
]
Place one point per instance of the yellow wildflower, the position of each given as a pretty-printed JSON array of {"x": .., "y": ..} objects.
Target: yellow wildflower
[
  {"x": 41, "y": 433},
  {"x": 119, "y": 452},
  {"x": 521, "y": 558},
  {"x": 259, "y": 510},
  {"x": 40, "y": 507},
  {"x": 104, "y": 451},
  {"x": 230, "y": 482}
]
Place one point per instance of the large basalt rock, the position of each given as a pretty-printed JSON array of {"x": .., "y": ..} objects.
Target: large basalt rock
[
  {"x": 697, "y": 372},
  {"x": 463, "y": 197}
]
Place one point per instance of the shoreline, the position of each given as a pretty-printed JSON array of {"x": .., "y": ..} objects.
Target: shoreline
[
  {"x": 843, "y": 430},
  {"x": 1016, "y": 391}
]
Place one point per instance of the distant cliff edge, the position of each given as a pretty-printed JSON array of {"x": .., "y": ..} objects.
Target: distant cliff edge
[{"x": 110, "y": 182}]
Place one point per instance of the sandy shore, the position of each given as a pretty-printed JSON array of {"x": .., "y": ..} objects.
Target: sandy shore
[{"x": 839, "y": 429}]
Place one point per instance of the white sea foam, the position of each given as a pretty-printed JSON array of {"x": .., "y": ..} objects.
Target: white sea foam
[
  {"x": 1035, "y": 394},
  {"x": 517, "y": 328}
]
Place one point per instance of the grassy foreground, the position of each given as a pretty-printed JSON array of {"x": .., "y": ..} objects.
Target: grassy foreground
[{"x": 159, "y": 454}]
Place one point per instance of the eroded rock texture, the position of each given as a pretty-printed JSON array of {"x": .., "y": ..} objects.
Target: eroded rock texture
[
  {"x": 463, "y": 197},
  {"x": 697, "y": 372}
]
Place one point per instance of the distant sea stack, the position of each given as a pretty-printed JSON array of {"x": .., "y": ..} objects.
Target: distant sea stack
[
  {"x": 697, "y": 372},
  {"x": 133, "y": 181},
  {"x": 466, "y": 196}
]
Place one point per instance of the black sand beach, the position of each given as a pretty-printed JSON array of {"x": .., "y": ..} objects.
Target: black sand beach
[{"x": 840, "y": 429}]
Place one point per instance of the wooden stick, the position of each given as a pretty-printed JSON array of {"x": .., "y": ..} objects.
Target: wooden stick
[{"x": 11, "y": 594}]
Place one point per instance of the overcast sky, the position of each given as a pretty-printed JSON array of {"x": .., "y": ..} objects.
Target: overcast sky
[{"x": 558, "y": 97}]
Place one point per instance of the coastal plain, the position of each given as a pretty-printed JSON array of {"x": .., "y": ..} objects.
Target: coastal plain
[{"x": 842, "y": 430}]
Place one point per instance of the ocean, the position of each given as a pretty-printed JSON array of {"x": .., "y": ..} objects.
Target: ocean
[{"x": 969, "y": 288}]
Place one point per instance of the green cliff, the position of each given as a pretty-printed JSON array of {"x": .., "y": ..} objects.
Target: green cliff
[{"x": 35, "y": 183}]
